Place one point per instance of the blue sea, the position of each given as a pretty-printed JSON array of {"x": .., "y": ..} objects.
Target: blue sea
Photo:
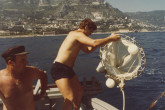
[{"x": 139, "y": 92}]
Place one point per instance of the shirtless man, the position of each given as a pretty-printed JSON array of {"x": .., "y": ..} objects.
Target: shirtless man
[
  {"x": 16, "y": 81},
  {"x": 62, "y": 72}
]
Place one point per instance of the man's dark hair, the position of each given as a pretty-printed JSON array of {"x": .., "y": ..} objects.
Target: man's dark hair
[
  {"x": 89, "y": 23},
  {"x": 12, "y": 58}
]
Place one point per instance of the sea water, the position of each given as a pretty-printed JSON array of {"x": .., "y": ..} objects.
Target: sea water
[{"x": 139, "y": 92}]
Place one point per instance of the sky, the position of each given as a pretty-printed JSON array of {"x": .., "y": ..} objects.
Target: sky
[{"x": 137, "y": 5}]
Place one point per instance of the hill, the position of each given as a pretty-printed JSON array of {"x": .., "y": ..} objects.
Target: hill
[
  {"x": 59, "y": 15},
  {"x": 69, "y": 9},
  {"x": 62, "y": 16},
  {"x": 153, "y": 17}
]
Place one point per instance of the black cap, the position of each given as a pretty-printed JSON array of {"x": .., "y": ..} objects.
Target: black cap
[{"x": 16, "y": 50}]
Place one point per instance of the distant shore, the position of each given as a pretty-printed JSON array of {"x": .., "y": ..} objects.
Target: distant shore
[
  {"x": 40, "y": 35},
  {"x": 31, "y": 35}
]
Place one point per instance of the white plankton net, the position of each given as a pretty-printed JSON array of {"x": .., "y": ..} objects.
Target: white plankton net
[{"x": 121, "y": 60}]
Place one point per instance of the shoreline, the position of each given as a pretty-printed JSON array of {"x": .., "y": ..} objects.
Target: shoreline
[
  {"x": 40, "y": 35},
  {"x": 32, "y": 35}
]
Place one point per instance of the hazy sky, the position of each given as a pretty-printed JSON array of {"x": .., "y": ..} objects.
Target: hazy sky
[{"x": 138, "y": 5}]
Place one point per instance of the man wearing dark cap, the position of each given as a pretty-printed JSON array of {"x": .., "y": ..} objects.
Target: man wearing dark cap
[{"x": 16, "y": 81}]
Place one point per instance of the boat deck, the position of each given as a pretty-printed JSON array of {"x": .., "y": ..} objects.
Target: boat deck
[{"x": 53, "y": 99}]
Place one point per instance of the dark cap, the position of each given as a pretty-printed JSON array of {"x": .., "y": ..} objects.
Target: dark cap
[{"x": 13, "y": 51}]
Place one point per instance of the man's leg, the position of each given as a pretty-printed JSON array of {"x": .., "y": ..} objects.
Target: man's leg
[
  {"x": 65, "y": 88},
  {"x": 72, "y": 92},
  {"x": 78, "y": 92}
]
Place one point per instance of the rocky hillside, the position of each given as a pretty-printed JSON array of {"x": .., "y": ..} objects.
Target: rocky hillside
[
  {"x": 67, "y": 9},
  {"x": 152, "y": 17}
]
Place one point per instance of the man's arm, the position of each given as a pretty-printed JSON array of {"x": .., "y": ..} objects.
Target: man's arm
[
  {"x": 38, "y": 74},
  {"x": 82, "y": 38}
]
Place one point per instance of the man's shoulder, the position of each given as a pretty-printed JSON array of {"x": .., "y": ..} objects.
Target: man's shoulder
[
  {"x": 31, "y": 71},
  {"x": 31, "y": 68},
  {"x": 75, "y": 33},
  {"x": 2, "y": 71},
  {"x": 2, "y": 74}
]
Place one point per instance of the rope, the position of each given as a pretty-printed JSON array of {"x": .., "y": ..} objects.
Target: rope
[
  {"x": 123, "y": 99},
  {"x": 121, "y": 86}
]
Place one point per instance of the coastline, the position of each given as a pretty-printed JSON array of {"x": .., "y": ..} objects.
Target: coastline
[
  {"x": 40, "y": 35},
  {"x": 31, "y": 35}
]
